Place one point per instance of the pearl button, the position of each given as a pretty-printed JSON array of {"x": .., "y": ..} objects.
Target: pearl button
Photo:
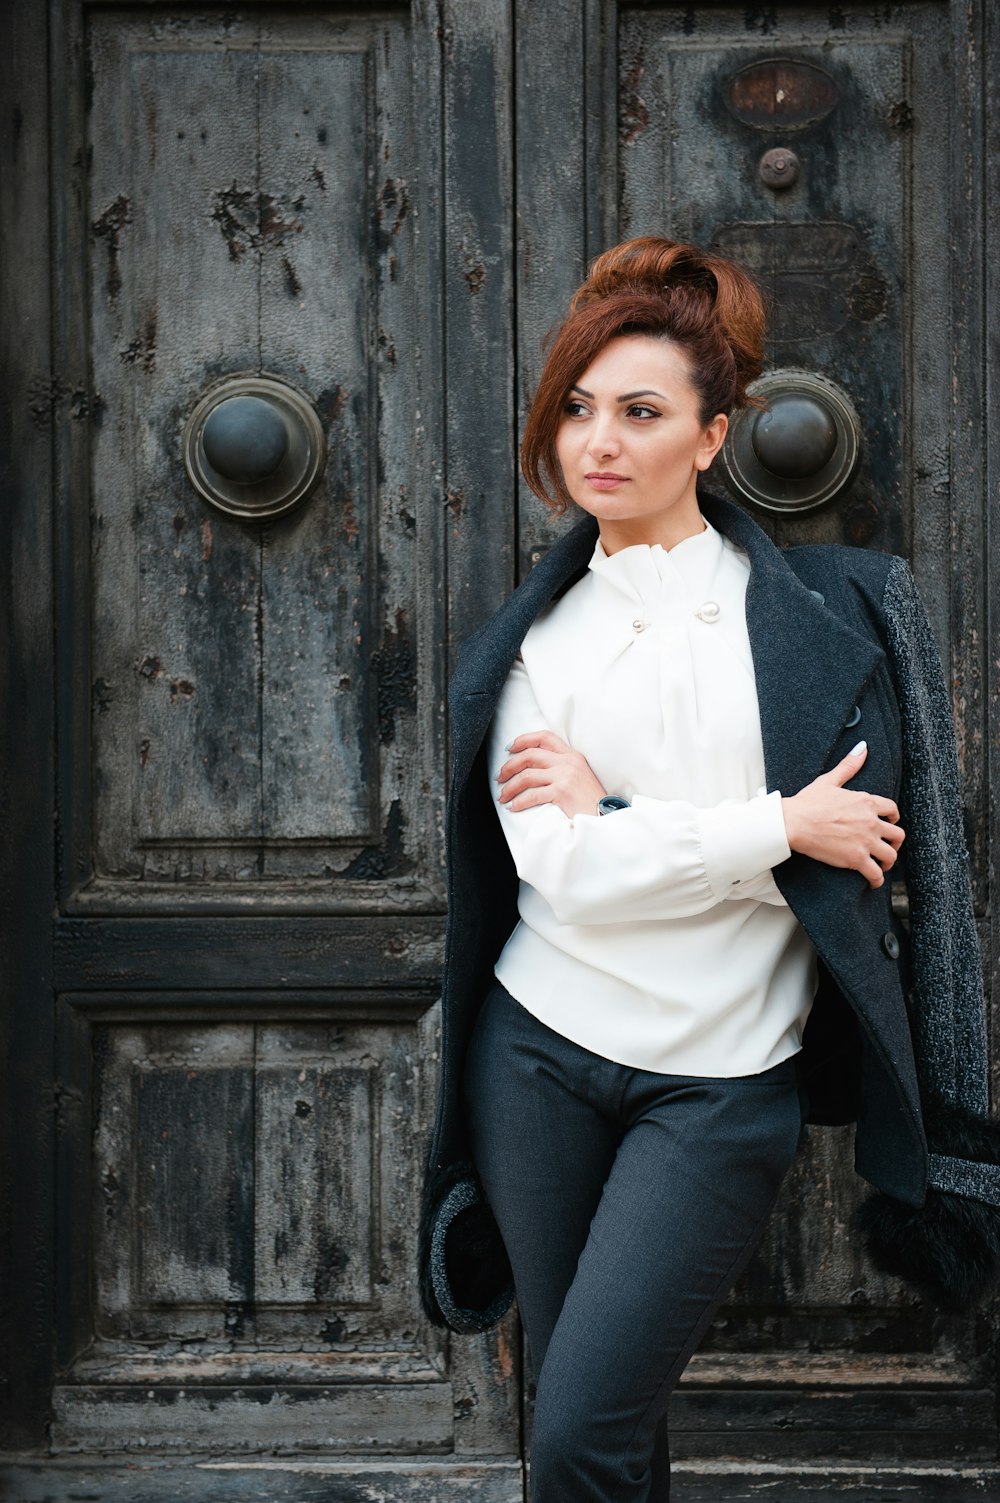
[
  {"x": 638, "y": 626},
  {"x": 709, "y": 612}
]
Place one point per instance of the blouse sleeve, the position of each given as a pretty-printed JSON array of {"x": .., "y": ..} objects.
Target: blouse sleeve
[{"x": 660, "y": 859}]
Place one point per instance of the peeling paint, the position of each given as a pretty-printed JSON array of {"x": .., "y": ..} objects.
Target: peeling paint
[
  {"x": 110, "y": 227},
  {"x": 378, "y": 862},
  {"x": 329, "y": 404},
  {"x": 393, "y": 207},
  {"x": 395, "y": 675},
  {"x": 634, "y": 116},
  {"x": 386, "y": 344},
  {"x": 247, "y": 218},
  {"x": 292, "y": 284},
  {"x": 900, "y": 115},
  {"x": 142, "y": 349},
  {"x": 350, "y": 525}
]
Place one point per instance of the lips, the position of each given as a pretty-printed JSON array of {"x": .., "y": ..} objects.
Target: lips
[{"x": 604, "y": 480}]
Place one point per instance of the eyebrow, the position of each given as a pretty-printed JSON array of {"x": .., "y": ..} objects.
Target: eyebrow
[{"x": 629, "y": 396}]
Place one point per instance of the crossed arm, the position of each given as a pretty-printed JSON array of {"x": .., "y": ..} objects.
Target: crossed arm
[{"x": 669, "y": 859}]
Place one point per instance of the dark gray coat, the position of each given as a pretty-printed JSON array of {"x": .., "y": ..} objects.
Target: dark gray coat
[{"x": 896, "y": 1038}]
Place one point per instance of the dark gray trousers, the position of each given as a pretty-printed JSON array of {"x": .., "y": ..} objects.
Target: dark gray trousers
[{"x": 629, "y": 1203}]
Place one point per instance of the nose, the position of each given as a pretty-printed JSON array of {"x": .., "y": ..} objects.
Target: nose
[{"x": 603, "y": 440}]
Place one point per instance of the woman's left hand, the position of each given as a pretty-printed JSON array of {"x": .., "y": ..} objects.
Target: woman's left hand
[{"x": 542, "y": 769}]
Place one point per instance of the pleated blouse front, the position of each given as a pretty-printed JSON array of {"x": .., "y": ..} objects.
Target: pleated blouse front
[{"x": 654, "y": 936}]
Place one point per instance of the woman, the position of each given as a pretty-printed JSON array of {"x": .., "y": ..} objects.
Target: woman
[{"x": 685, "y": 764}]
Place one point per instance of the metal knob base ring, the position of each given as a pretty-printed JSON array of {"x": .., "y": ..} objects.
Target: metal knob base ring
[
  {"x": 808, "y": 431},
  {"x": 265, "y": 435}
]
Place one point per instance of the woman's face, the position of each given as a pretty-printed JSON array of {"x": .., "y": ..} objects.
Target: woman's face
[{"x": 632, "y": 444}]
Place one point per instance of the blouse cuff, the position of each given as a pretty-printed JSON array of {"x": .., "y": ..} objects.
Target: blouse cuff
[{"x": 741, "y": 841}]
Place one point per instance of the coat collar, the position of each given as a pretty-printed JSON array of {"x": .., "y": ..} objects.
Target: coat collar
[{"x": 810, "y": 666}]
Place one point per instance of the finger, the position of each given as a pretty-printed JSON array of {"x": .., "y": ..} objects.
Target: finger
[
  {"x": 885, "y": 808},
  {"x": 531, "y": 798},
  {"x": 894, "y": 834},
  {"x": 535, "y": 757},
  {"x": 532, "y": 777},
  {"x": 884, "y": 855},
  {"x": 849, "y": 765},
  {"x": 537, "y": 738},
  {"x": 872, "y": 873}
]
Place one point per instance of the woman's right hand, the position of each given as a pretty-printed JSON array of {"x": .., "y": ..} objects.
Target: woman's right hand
[{"x": 842, "y": 826}]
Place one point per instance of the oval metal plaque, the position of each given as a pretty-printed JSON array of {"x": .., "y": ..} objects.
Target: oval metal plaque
[
  {"x": 781, "y": 93},
  {"x": 254, "y": 447},
  {"x": 800, "y": 450}
]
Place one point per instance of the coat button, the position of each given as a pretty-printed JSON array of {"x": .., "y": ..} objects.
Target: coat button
[
  {"x": 853, "y": 718},
  {"x": 890, "y": 945},
  {"x": 816, "y": 595}
]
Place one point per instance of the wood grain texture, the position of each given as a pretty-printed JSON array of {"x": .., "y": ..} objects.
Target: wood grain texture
[
  {"x": 356, "y": 1481},
  {"x": 477, "y": 276},
  {"x": 255, "y": 686}
]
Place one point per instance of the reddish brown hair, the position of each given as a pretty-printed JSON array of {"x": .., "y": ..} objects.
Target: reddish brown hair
[{"x": 705, "y": 304}]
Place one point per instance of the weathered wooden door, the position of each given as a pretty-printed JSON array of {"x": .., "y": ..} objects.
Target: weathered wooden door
[
  {"x": 226, "y": 745},
  {"x": 235, "y": 1007}
]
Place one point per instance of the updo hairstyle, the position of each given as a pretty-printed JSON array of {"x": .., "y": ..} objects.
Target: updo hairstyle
[{"x": 705, "y": 304}]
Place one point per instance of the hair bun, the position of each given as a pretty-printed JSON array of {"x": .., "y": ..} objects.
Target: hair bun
[{"x": 652, "y": 265}]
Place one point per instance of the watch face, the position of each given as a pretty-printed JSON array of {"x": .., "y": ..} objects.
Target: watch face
[{"x": 610, "y": 802}]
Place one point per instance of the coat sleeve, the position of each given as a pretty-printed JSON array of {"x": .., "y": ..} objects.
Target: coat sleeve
[
  {"x": 949, "y": 1248},
  {"x": 948, "y": 1013}
]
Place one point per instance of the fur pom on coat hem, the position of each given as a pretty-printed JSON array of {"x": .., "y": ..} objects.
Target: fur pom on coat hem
[
  {"x": 465, "y": 1277},
  {"x": 948, "y": 1248}
]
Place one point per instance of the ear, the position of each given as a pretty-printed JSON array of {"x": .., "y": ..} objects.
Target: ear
[{"x": 712, "y": 439}]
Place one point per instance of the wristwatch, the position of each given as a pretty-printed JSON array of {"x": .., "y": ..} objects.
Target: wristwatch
[{"x": 610, "y": 802}]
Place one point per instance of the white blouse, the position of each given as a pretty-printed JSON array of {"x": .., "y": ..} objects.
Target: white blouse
[{"x": 654, "y": 936}]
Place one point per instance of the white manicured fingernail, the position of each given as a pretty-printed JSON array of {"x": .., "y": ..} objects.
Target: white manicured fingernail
[
  {"x": 861, "y": 746},
  {"x": 508, "y": 746}
]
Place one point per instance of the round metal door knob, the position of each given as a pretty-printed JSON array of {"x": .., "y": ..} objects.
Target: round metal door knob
[
  {"x": 795, "y": 437},
  {"x": 779, "y": 168},
  {"x": 245, "y": 439},
  {"x": 254, "y": 447},
  {"x": 798, "y": 452}
]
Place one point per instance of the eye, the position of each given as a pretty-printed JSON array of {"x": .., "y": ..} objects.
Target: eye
[
  {"x": 575, "y": 408},
  {"x": 641, "y": 411}
]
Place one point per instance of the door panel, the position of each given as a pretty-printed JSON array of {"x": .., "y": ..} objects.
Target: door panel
[
  {"x": 250, "y": 925},
  {"x": 855, "y": 276},
  {"x": 256, "y": 717}
]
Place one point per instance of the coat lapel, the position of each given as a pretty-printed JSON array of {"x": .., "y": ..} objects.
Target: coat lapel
[{"x": 810, "y": 666}]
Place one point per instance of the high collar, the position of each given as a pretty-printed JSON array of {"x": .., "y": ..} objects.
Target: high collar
[{"x": 643, "y": 572}]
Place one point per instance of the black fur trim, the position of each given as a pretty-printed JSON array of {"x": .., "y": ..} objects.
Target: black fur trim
[
  {"x": 465, "y": 1276},
  {"x": 948, "y": 1248}
]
